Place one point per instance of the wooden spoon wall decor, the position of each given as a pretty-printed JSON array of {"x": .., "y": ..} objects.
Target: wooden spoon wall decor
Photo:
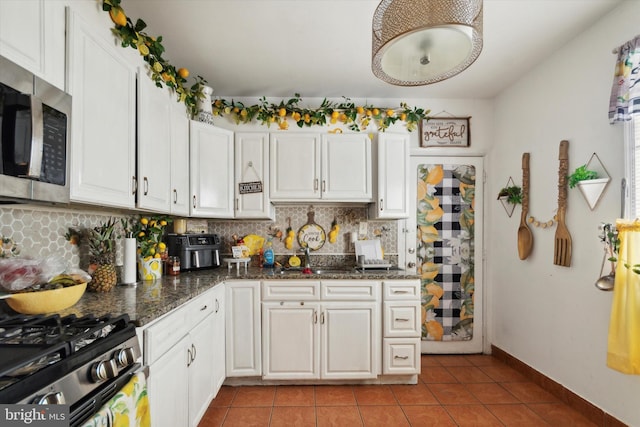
[
  {"x": 525, "y": 236},
  {"x": 562, "y": 241}
]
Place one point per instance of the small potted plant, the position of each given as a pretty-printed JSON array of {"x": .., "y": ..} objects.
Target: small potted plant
[
  {"x": 581, "y": 174},
  {"x": 512, "y": 194},
  {"x": 589, "y": 183}
]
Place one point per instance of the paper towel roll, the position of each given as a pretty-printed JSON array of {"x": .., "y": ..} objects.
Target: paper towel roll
[{"x": 129, "y": 261}]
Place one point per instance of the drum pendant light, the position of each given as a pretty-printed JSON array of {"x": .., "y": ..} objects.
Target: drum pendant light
[{"x": 419, "y": 42}]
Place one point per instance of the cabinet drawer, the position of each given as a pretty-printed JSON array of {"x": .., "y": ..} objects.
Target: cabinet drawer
[
  {"x": 402, "y": 319},
  {"x": 291, "y": 290},
  {"x": 401, "y": 356},
  {"x": 401, "y": 290},
  {"x": 164, "y": 334},
  {"x": 350, "y": 290},
  {"x": 200, "y": 307}
]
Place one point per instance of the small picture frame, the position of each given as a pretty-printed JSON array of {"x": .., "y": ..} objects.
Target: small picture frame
[{"x": 445, "y": 132}]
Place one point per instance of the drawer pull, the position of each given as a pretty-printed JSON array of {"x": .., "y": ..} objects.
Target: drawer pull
[
  {"x": 400, "y": 292},
  {"x": 401, "y": 357},
  {"x": 400, "y": 319}
]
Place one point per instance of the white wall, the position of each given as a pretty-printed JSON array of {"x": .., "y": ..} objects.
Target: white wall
[{"x": 551, "y": 317}]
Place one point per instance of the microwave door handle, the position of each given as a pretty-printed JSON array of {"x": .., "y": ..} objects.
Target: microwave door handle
[{"x": 37, "y": 144}]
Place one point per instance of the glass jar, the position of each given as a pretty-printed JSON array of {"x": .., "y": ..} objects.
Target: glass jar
[{"x": 173, "y": 265}]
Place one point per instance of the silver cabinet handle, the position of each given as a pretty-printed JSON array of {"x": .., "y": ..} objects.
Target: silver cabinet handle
[
  {"x": 400, "y": 292},
  {"x": 315, "y": 184},
  {"x": 146, "y": 185},
  {"x": 322, "y": 318},
  {"x": 324, "y": 186},
  {"x": 315, "y": 316},
  {"x": 217, "y": 305},
  {"x": 399, "y": 319},
  {"x": 381, "y": 205},
  {"x": 401, "y": 357},
  {"x": 175, "y": 196},
  {"x": 134, "y": 185},
  {"x": 194, "y": 201}
]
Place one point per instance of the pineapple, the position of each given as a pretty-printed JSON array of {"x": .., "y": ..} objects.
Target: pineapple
[{"x": 102, "y": 252}]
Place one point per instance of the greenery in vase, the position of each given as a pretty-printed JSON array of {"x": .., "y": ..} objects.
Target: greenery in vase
[
  {"x": 513, "y": 194},
  {"x": 581, "y": 174}
]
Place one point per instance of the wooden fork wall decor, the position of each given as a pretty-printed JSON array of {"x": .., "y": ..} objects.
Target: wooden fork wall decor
[{"x": 562, "y": 241}]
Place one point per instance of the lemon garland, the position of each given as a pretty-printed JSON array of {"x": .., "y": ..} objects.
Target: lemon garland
[{"x": 356, "y": 117}]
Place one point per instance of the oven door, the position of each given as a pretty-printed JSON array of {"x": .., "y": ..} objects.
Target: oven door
[{"x": 125, "y": 394}]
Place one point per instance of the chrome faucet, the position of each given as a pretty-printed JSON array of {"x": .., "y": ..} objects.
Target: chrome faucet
[{"x": 307, "y": 257}]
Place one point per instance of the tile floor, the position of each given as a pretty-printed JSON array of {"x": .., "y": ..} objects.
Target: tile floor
[{"x": 471, "y": 390}]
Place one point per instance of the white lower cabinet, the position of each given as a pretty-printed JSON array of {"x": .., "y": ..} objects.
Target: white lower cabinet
[
  {"x": 308, "y": 336},
  {"x": 243, "y": 343},
  {"x": 401, "y": 327},
  {"x": 183, "y": 356}
]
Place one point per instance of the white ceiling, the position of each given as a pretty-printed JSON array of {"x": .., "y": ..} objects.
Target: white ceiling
[{"x": 322, "y": 48}]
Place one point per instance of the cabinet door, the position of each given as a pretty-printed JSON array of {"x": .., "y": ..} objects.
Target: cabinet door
[
  {"x": 103, "y": 145},
  {"x": 200, "y": 356},
  {"x": 168, "y": 383},
  {"x": 392, "y": 189},
  {"x": 218, "y": 338},
  {"x": 346, "y": 167},
  {"x": 154, "y": 145},
  {"x": 252, "y": 165},
  {"x": 290, "y": 340},
  {"x": 179, "y": 160},
  {"x": 295, "y": 166},
  {"x": 350, "y": 340},
  {"x": 32, "y": 34},
  {"x": 243, "y": 339},
  {"x": 211, "y": 174}
]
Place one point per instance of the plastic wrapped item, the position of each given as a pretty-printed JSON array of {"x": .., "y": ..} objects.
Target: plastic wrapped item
[{"x": 20, "y": 273}]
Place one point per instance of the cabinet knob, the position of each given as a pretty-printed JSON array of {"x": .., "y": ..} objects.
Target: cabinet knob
[
  {"x": 411, "y": 250},
  {"x": 411, "y": 265}
]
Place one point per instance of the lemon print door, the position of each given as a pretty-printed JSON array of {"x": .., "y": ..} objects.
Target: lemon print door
[{"x": 444, "y": 245}]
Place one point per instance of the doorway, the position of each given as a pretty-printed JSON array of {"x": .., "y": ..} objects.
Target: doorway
[{"x": 443, "y": 244}]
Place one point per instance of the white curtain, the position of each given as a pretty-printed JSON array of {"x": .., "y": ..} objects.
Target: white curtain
[{"x": 625, "y": 92}]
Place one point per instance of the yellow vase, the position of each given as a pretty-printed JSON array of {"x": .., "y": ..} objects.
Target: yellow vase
[{"x": 150, "y": 270}]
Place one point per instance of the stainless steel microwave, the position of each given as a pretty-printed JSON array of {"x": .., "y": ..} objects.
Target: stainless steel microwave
[{"x": 35, "y": 120}]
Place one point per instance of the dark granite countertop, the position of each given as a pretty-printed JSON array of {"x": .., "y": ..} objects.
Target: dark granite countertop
[{"x": 147, "y": 301}]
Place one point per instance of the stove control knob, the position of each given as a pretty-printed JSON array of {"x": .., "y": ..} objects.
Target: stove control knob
[
  {"x": 104, "y": 370},
  {"x": 53, "y": 398},
  {"x": 125, "y": 357}
]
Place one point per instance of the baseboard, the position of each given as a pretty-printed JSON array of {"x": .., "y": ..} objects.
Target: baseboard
[{"x": 592, "y": 412}]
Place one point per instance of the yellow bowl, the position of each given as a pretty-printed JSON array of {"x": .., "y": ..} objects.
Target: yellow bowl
[{"x": 46, "y": 301}]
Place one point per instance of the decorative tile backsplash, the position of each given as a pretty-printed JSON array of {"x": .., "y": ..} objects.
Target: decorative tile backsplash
[{"x": 39, "y": 230}]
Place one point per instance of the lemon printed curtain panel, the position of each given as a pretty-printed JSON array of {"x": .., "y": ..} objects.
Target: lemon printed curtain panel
[
  {"x": 623, "y": 352},
  {"x": 445, "y": 250}
]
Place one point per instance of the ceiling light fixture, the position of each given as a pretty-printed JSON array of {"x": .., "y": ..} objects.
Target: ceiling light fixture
[{"x": 419, "y": 42}]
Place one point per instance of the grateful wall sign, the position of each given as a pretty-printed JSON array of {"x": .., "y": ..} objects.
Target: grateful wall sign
[{"x": 445, "y": 132}]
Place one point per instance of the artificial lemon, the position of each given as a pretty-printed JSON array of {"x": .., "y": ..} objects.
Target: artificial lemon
[
  {"x": 117, "y": 16},
  {"x": 144, "y": 221},
  {"x": 183, "y": 72},
  {"x": 282, "y": 112}
]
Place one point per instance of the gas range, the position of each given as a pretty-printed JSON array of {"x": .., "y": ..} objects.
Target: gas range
[{"x": 78, "y": 361}]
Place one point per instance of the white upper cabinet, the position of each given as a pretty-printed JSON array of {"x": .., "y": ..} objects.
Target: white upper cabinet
[
  {"x": 346, "y": 167},
  {"x": 392, "y": 186},
  {"x": 252, "y": 166},
  {"x": 211, "y": 174},
  {"x": 103, "y": 85},
  {"x": 307, "y": 166},
  {"x": 32, "y": 34},
  {"x": 295, "y": 166},
  {"x": 154, "y": 145},
  {"x": 179, "y": 160}
]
